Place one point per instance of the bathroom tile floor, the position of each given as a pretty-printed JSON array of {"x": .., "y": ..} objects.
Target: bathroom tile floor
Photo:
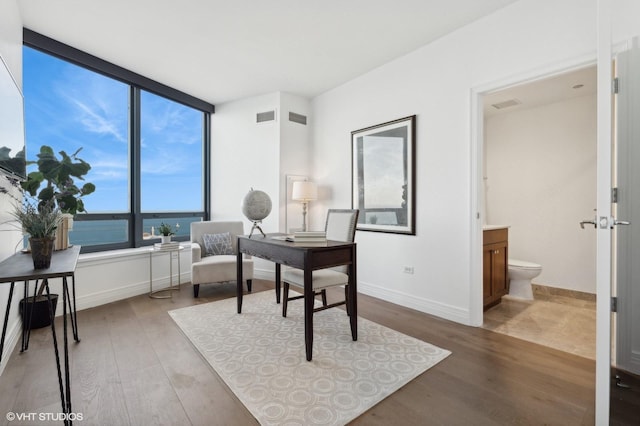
[{"x": 560, "y": 322}]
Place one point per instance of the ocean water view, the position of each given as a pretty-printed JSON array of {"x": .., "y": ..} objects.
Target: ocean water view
[{"x": 94, "y": 232}]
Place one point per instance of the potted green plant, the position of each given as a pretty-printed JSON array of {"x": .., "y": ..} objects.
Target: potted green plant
[
  {"x": 40, "y": 221},
  {"x": 59, "y": 188},
  {"x": 165, "y": 233},
  {"x": 44, "y": 212}
]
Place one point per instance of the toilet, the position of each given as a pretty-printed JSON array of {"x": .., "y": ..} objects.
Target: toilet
[{"x": 520, "y": 275}]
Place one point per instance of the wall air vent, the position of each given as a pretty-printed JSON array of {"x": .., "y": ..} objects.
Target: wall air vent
[
  {"x": 506, "y": 104},
  {"x": 297, "y": 118},
  {"x": 265, "y": 117}
]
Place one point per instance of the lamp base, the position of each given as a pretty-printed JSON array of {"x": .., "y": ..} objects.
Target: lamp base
[{"x": 304, "y": 216}]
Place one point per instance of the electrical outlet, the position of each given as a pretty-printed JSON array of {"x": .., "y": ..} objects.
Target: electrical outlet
[{"x": 408, "y": 270}]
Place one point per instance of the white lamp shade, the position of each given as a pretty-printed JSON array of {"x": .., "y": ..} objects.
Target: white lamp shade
[{"x": 304, "y": 191}]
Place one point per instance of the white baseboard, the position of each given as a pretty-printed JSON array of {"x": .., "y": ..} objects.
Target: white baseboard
[
  {"x": 264, "y": 274},
  {"x": 124, "y": 292},
  {"x": 441, "y": 310},
  {"x": 111, "y": 295},
  {"x": 10, "y": 341}
]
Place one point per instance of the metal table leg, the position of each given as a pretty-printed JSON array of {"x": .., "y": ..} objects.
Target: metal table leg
[
  {"x": 73, "y": 312},
  {"x": 154, "y": 293}
]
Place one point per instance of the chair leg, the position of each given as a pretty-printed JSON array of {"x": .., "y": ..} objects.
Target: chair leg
[
  {"x": 323, "y": 293},
  {"x": 249, "y": 282},
  {"x": 346, "y": 298},
  {"x": 285, "y": 298},
  {"x": 196, "y": 290}
]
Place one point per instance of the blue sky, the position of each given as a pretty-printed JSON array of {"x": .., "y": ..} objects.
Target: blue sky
[{"x": 68, "y": 107}]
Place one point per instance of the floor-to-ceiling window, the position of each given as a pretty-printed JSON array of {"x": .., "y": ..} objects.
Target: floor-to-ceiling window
[{"x": 147, "y": 144}]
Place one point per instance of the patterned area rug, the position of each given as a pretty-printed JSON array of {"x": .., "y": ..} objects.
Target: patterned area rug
[{"x": 261, "y": 357}]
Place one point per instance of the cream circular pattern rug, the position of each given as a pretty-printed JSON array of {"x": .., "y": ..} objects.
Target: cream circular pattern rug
[{"x": 261, "y": 357}]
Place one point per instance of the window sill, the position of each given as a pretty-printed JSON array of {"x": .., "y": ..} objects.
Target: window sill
[{"x": 109, "y": 256}]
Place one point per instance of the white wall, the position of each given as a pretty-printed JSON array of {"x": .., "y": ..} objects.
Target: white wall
[
  {"x": 295, "y": 151},
  {"x": 541, "y": 180},
  {"x": 11, "y": 37},
  {"x": 246, "y": 154},
  {"x": 624, "y": 19},
  {"x": 435, "y": 83},
  {"x": 11, "y": 51}
]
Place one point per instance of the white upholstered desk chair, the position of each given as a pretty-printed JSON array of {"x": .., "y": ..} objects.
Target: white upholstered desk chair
[
  {"x": 214, "y": 251},
  {"x": 340, "y": 226}
]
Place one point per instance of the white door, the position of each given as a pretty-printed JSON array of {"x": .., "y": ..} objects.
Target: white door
[
  {"x": 603, "y": 217},
  {"x": 626, "y": 342}
]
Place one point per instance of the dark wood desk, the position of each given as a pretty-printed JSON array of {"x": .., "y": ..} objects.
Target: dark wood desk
[
  {"x": 308, "y": 259},
  {"x": 19, "y": 267}
]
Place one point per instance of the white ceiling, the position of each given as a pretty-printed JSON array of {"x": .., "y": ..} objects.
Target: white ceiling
[
  {"x": 545, "y": 91},
  {"x": 221, "y": 50}
]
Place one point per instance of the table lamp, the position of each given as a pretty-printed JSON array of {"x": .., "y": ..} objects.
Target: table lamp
[{"x": 304, "y": 191}]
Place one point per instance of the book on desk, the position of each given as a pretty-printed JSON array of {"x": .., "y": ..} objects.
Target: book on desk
[
  {"x": 310, "y": 238},
  {"x": 306, "y": 239}
]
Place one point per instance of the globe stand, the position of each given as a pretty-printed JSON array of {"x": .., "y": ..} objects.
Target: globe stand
[
  {"x": 256, "y": 205},
  {"x": 256, "y": 226}
]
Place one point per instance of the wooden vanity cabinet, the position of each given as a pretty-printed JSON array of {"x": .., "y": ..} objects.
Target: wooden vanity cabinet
[{"x": 495, "y": 266}]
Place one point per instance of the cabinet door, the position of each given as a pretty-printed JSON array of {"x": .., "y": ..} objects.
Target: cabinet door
[
  {"x": 500, "y": 284},
  {"x": 487, "y": 292}
]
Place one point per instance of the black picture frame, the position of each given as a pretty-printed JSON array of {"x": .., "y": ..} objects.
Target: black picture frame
[{"x": 383, "y": 176}]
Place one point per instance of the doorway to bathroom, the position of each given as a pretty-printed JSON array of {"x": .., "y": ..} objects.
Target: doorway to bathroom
[{"x": 539, "y": 180}]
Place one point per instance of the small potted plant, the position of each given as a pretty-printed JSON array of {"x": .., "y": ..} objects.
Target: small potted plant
[
  {"x": 40, "y": 221},
  {"x": 165, "y": 233}
]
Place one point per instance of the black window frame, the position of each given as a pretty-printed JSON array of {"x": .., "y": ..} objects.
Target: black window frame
[{"x": 136, "y": 83}]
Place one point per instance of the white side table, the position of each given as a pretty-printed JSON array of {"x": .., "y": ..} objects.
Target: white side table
[{"x": 155, "y": 293}]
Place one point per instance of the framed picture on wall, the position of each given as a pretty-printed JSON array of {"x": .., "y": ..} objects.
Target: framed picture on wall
[{"x": 383, "y": 176}]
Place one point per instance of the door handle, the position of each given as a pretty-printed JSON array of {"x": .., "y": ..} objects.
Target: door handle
[
  {"x": 605, "y": 222},
  {"x": 591, "y": 222},
  {"x": 610, "y": 222},
  {"x": 621, "y": 222}
]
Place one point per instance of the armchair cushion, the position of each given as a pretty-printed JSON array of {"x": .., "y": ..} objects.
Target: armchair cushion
[
  {"x": 217, "y": 244},
  {"x": 219, "y": 268}
]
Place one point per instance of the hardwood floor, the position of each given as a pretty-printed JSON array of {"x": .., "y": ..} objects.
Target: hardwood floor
[{"x": 135, "y": 367}]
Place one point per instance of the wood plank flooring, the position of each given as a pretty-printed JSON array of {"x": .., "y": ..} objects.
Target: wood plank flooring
[{"x": 135, "y": 367}]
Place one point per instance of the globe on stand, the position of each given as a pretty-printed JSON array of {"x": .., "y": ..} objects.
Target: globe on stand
[{"x": 256, "y": 205}]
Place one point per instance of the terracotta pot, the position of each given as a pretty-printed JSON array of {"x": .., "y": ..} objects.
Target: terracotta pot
[{"x": 41, "y": 251}]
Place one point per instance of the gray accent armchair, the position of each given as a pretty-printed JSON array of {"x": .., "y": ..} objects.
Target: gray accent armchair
[{"x": 216, "y": 268}]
